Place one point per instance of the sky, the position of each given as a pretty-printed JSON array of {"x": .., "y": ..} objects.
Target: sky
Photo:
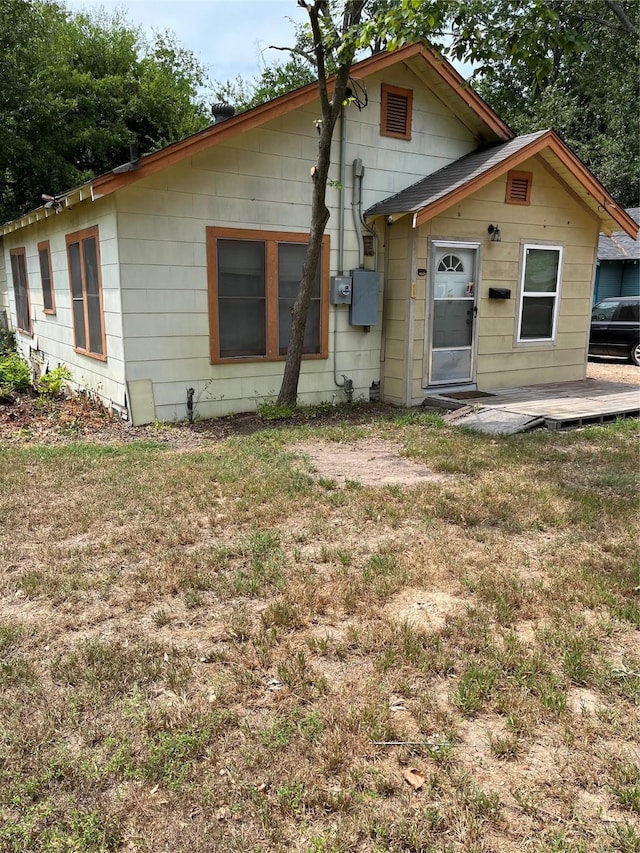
[{"x": 230, "y": 37}]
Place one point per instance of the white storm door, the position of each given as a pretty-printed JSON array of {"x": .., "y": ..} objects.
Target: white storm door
[{"x": 450, "y": 338}]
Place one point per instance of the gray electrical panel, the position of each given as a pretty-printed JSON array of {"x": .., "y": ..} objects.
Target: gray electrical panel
[{"x": 364, "y": 298}]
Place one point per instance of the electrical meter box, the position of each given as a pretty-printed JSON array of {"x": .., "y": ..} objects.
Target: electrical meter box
[
  {"x": 340, "y": 290},
  {"x": 364, "y": 298}
]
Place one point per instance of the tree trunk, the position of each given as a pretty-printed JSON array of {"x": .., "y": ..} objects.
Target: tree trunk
[
  {"x": 319, "y": 218},
  {"x": 288, "y": 393}
]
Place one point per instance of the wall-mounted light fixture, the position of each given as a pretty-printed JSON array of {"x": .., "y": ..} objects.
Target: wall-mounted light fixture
[{"x": 496, "y": 236}]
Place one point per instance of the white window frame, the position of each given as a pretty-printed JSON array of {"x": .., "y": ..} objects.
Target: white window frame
[{"x": 535, "y": 294}]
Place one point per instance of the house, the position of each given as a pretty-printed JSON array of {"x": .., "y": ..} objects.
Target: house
[
  {"x": 618, "y": 270},
  {"x": 457, "y": 255}
]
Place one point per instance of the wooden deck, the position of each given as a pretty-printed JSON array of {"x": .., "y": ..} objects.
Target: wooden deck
[{"x": 559, "y": 405}]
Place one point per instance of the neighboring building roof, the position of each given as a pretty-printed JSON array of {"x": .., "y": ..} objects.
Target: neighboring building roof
[
  {"x": 451, "y": 184},
  {"x": 621, "y": 247},
  {"x": 449, "y": 86}
]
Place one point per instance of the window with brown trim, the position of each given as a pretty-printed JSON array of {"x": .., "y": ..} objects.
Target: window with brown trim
[
  {"x": 21, "y": 289},
  {"x": 519, "y": 188},
  {"x": 46, "y": 277},
  {"x": 253, "y": 281},
  {"x": 83, "y": 254},
  {"x": 395, "y": 112}
]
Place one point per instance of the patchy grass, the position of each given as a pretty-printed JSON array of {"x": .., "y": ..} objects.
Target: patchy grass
[{"x": 220, "y": 648}]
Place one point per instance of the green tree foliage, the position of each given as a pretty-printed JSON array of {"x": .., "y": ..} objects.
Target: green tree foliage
[
  {"x": 571, "y": 65},
  {"x": 77, "y": 89},
  {"x": 276, "y": 79},
  {"x": 568, "y": 64},
  {"x": 337, "y": 32}
]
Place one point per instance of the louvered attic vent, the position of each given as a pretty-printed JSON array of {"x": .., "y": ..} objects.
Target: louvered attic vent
[
  {"x": 518, "y": 188},
  {"x": 395, "y": 118}
]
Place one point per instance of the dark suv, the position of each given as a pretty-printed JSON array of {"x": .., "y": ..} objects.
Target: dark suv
[{"x": 615, "y": 328}]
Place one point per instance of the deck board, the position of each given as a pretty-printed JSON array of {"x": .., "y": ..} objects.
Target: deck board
[{"x": 563, "y": 404}]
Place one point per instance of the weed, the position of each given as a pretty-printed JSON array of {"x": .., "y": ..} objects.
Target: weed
[
  {"x": 625, "y": 838},
  {"x": 281, "y": 614},
  {"x": 291, "y": 795},
  {"x": 476, "y": 685},
  {"x": 161, "y": 618},
  {"x": 505, "y": 746},
  {"x": 170, "y": 756},
  {"x": 298, "y": 676},
  {"x": 270, "y": 410},
  {"x": 382, "y": 574},
  {"x": 327, "y": 483},
  {"x": 577, "y": 662},
  {"x": 115, "y": 668},
  {"x": 626, "y": 787},
  {"x": 50, "y": 384}
]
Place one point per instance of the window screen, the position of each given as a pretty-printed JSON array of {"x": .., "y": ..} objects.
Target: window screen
[
  {"x": 48, "y": 299},
  {"x": 254, "y": 278},
  {"x": 86, "y": 292},
  {"x": 242, "y": 303},
  {"x": 539, "y": 299},
  {"x": 21, "y": 290}
]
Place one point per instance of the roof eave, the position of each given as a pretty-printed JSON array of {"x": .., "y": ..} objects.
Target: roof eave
[
  {"x": 277, "y": 107},
  {"x": 608, "y": 211},
  {"x": 68, "y": 200}
]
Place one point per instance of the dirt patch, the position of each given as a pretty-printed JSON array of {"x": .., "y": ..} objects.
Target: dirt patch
[
  {"x": 583, "y": 701},
  {"x": 371, "y": 462},
  {"x": 29, "y": 419},
  {"x": 426, "y": 609}
]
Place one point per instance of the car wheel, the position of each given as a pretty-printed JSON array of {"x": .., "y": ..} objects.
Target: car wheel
[{"x": 634, "y": 354}]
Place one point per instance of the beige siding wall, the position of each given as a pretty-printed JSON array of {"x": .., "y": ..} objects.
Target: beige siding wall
[
  {"x": 4, "y": 294},
  {"x": 52, "y": 341},
  {"x": 397, "y": 310},
  {"x": 554, "y": 217},
  {"x": 260, "y": 180}
]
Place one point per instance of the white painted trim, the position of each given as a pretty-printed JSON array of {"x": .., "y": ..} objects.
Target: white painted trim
[{"x": 558, "y": 292}]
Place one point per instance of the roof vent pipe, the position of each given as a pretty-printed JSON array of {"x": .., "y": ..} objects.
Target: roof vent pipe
[{"x": 221, "y": 112}]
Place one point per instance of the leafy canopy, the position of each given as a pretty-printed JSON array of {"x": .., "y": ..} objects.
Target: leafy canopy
[
  {"x": 77, "y": 89},
  {"x": 570, "y": 65}
]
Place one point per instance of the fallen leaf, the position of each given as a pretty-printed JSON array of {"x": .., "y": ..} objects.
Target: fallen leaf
[{"x": 414, "y": 777}]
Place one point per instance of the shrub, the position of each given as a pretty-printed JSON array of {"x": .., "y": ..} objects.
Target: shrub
[
  {"x": 50, "y": 384},
  {"x": 14, "y": 374},
  {"x": 7, "y": 341}
]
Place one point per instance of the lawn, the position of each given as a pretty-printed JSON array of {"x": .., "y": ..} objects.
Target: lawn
[{"x": 221, "y": 646}]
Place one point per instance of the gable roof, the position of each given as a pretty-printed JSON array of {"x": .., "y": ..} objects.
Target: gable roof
[
  {"x": 619, "y": 246},
  {"x": 433, "y": 70},
  {"x": 453, "y": 183}
]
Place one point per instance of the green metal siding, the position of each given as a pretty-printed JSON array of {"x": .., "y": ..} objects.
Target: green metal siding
[
  {"x": 608, "y": 280},
  {"x": 630, "y": 279}
]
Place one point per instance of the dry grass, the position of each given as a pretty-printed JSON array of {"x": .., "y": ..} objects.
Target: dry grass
[{"x": 220, "y": 648}]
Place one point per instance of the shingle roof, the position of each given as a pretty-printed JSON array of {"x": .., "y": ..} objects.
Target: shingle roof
[
  {"x": 451, "y": 177},
  {"x": 620, "y": 247}
]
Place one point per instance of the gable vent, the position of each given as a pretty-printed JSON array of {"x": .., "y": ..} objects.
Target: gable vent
[
  {"x": 395, "y": 119},
  {"x": 518, "y": 188}
]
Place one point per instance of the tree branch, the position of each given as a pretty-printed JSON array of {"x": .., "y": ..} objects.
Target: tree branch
[
  {"x": 594, "y": 19},
  {"x": 622, "y": 16},
  {"x": 318, "y": 46},
  {"x": 309, "y": 57}
]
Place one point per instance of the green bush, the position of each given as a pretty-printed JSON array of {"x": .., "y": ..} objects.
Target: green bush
[
  {"x": 50, "y": 384},
  {"x": 7, "y": 341},
  {"x": 14, "y": 374}
]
